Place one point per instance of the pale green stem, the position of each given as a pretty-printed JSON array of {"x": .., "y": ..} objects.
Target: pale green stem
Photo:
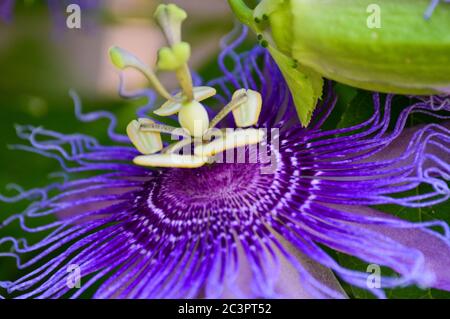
[
  {"x": 164, "y": 129},
  {"x": 230, "y": 107},
  {"x": 175, "y": 147},
  {"x": 185, "y": 79},
  {"x": 243, "y": 13},
  {"x": 157, "y": 85}
]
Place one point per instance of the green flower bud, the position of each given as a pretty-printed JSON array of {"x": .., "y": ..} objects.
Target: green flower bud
[{"x": 401, "y": 53}]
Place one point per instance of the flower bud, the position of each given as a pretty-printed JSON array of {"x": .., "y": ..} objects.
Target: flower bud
[
  {"x": 403, "y": 53},
  {"x": 248, "y": 113}
]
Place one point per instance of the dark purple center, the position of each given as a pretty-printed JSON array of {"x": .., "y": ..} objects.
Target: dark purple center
[{"x": 212, "y": 187}]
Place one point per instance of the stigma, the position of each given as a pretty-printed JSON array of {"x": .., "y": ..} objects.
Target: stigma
[{"x": 198, "y": 132}]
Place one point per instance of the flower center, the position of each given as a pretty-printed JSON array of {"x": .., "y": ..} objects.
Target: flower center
[
  {"x": 212, "y": 182},
  {"x": 220, "y": 187}
]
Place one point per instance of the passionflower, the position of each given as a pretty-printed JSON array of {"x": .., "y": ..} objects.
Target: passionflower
[{"x": 234, "y": 228}]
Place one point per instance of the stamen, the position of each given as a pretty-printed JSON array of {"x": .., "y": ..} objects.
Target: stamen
[
  {"x": 236, "y": 101},
  {"x": 145, "y": 142},
  {"x": 175, "y": 147},
  {"x": 170, "y": 108},
  {"x": 170, "y": 161},
  {"x": 123, "y": 59},
  {"x": 247, "y": 114},
  {"x": 231, "y": 140},
  {"x": 154, "y": 127}
]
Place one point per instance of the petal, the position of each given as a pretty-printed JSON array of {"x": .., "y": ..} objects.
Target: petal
[
  {"x": 435, "y": 248},
  {"x": 398, "y": 146},
  {"x": 289, "y": 280}
]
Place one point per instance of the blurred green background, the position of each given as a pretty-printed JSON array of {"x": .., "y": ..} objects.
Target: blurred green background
[{"x": 40, "y": 60}]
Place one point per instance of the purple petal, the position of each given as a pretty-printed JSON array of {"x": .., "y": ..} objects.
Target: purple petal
[
  {"x": 435, "y": 249},
  {"x": 287, "y": 281}
]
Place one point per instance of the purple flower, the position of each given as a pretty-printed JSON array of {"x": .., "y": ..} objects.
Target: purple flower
[{"x": 227, "y": 230}]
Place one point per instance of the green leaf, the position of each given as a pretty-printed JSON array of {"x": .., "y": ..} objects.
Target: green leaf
[
  {"x": 305, "y": 84},
  {"x": 346, "y": 95},
  {"x": 360, "y": 108}
]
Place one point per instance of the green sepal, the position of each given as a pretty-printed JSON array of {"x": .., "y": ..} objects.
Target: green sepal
[
  {"x": 266, "y": 7},
  {"x": 306, "y": 85}
]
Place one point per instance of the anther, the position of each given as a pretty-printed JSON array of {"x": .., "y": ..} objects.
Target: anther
[
  {"x": 231, "y": 140},
  {"x": 145, "y": 142},
  {"x": 247, "y": 113},
  {"x": 170, "y": 161},
  {"x": 235, "y": 102}
]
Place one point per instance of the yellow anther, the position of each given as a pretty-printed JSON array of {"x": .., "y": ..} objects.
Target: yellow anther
[
  {"x": 145, "y": 142},
  {"x": 170, "y": 160},
  {"x": 230, "y": 140},
  {"x": 247, "y": 114},
  {"x": 170, "y": 107},
  {"x": 194, "y": 118}
]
